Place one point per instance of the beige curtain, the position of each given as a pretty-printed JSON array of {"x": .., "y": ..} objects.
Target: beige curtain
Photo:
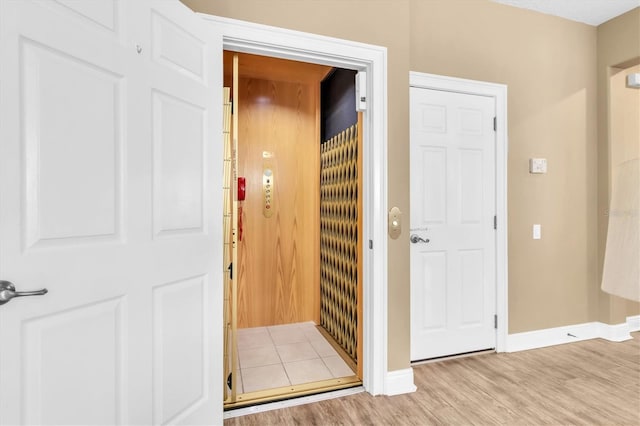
[{"x": 621, "y": 274}]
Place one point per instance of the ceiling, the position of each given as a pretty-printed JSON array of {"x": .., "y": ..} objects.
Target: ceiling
[{"x": 592, "y": 12}]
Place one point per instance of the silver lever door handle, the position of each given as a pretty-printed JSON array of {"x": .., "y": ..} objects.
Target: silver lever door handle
[
  {"x": 416, "y": 239},
  {"x": 8, "y": 292}
]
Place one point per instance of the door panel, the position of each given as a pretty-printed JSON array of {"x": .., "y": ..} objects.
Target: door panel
[
  {"x": 433, "y": 270},
  {"x": 107, "y": 201},
  {"x": 56, "y": 89},
  {"x": 471, "y": 303},
  {"x": 452, "y": 208},
  {"x": 434, "y": 172},
  {"x": 179, "y": 341},
  {"x": 102, "y": 15},
  {"x": 178, "y": 147},
  {"x": 471, "y": 186},
  {"x": 177, "y": 48},
  {"x": 52, "y": 350}
]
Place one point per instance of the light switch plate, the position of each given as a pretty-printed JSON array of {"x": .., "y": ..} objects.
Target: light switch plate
[
  {"x": 395, "y": 222},
  {"x": 633, "y": 80},
  {"x": 537, "y": 165},
  {"x": 537, "y": 231}
]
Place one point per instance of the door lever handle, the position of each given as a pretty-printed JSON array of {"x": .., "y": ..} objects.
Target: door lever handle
[
  {"x": 8, "y": 292},
  {"x": 416, "y": 239}
]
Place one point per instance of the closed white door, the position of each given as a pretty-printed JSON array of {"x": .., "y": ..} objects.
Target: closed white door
[
  {"x": 106, "y": 199},
  {"x": 453, "y": 243}
]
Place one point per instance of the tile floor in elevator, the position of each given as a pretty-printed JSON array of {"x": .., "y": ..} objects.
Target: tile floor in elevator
[{"x": 284, "y": 355}]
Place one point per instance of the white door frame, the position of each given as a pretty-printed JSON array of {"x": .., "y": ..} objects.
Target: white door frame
[
  {"x": 246, "y": 37},
  {"x": 499, "y": 93}
]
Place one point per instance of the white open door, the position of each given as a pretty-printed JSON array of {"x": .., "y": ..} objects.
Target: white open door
[{"x": 107, "y": 192}]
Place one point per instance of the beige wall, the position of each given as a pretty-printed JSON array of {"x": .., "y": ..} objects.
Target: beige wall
[
  {"x": 550, "y": 66},
  {"x": 618, "y": 48}
]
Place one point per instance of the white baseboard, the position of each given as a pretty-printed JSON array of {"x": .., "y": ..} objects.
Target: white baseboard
[
  {"x": 399, "y": 381},
  {"x": 550, "y": 336},
  {"x": 571, "y": 333},
  {"x": 614, "y": 333},
  {"x": 633, "y": 323}
]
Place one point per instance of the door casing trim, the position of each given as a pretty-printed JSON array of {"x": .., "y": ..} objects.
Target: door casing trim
[
  {"x": 247, "y": 37},
  {"x": 499, "y": 93}
]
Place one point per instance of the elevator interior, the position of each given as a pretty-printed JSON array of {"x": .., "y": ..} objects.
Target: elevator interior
[{"x": 293, "y": 229}]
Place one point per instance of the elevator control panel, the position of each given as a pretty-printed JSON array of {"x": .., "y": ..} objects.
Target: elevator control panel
[
  {"x": 268, "y": 184},
  {"x": 395, "y": 222}
]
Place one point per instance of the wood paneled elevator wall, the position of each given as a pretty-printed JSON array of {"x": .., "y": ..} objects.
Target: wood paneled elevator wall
[{"x": 278, "y": 129}]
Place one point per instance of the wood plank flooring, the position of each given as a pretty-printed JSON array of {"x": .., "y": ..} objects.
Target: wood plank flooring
[{"x": 594, "y": 382}]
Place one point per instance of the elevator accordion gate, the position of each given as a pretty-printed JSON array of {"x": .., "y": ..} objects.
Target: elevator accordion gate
[{"x": 340, "y": 245}]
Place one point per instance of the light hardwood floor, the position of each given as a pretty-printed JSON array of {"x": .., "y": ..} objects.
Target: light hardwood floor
[{"x": 594, "y": 382}]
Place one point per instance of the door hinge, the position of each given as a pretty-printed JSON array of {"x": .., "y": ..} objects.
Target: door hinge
[
  {"x": 495, "y": 321},
  {"x": 230, "y": 268},
  {"x": 370, "y": 244},
  {"x": 495, "y": 222},
  {"x": 495, "y": 124}
]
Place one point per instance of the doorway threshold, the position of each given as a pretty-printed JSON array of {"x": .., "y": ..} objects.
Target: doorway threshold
[
  {"x": 316, "y": 395},
  {"x": 450, "y": 357}
]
